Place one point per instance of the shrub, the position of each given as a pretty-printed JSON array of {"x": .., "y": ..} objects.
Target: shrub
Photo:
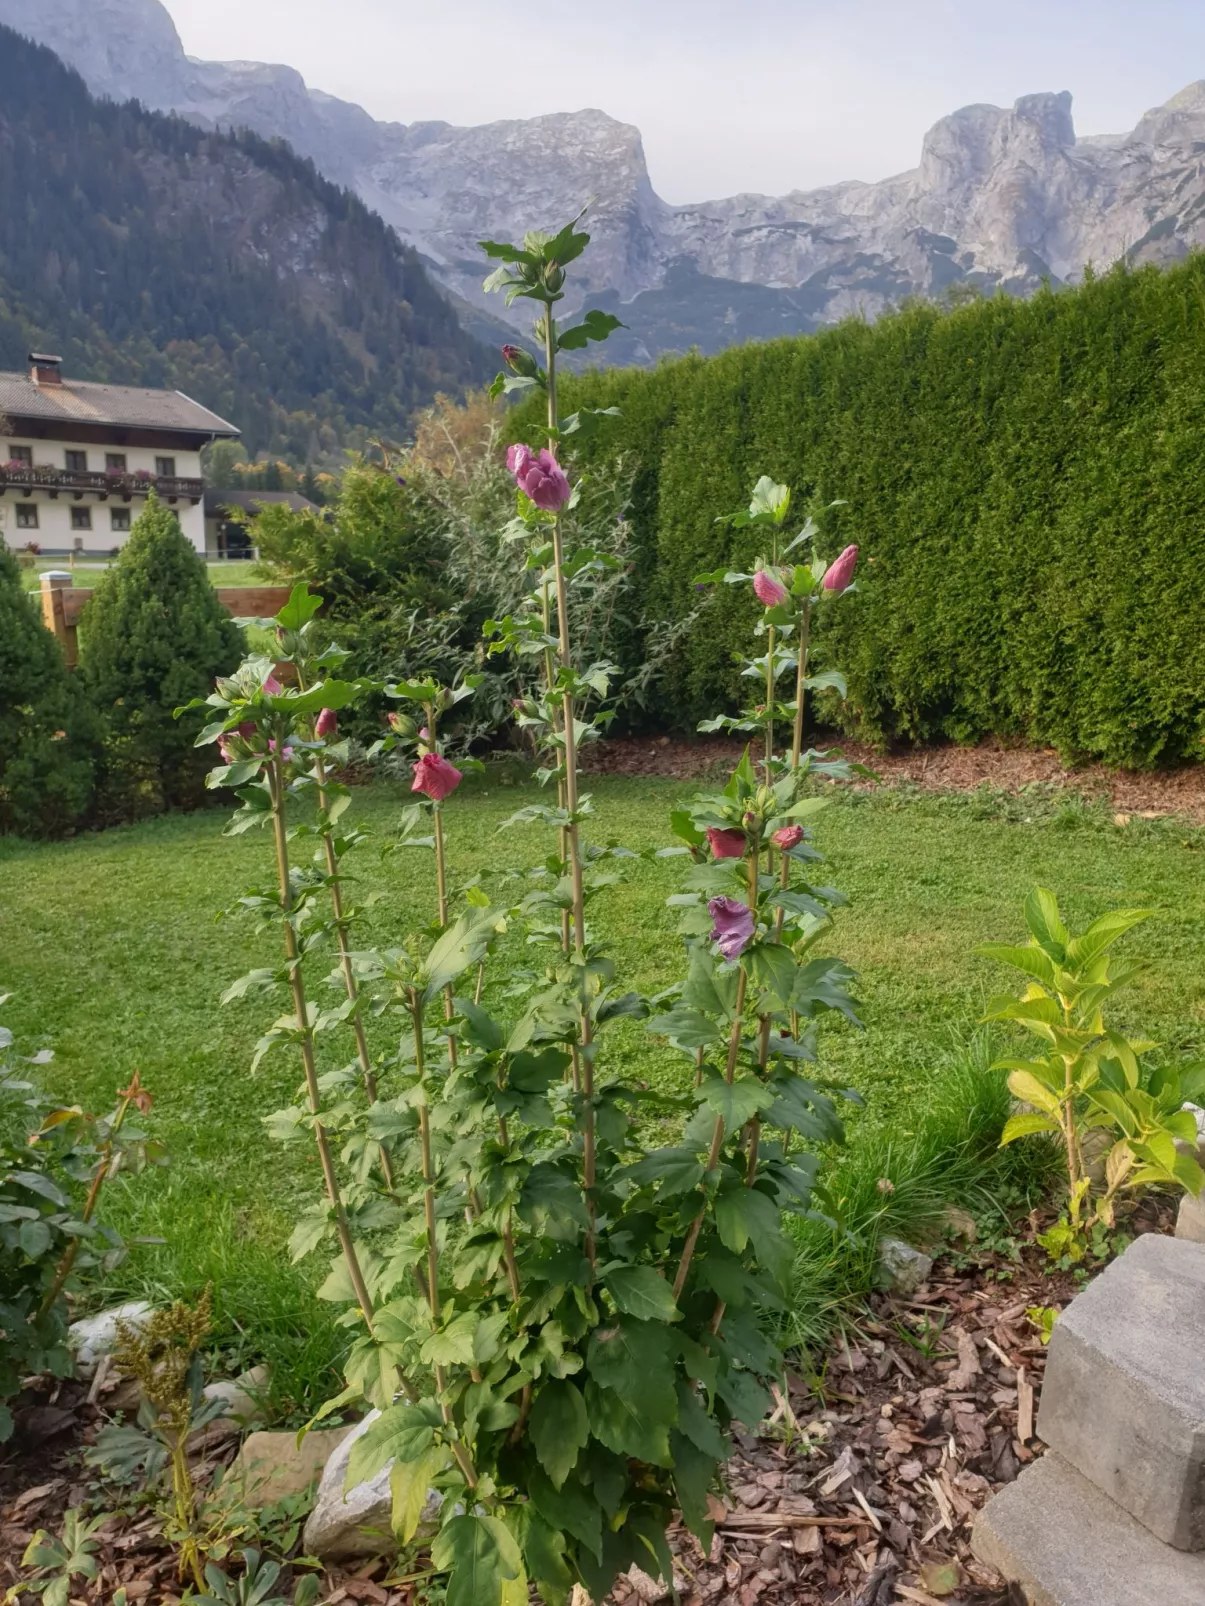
[
  {"x": 153, "y": 636},
  {"x": 47, "y": 729},
  {"x": 48, "y": 1230},
  {"x": 1020, "y": 478}
]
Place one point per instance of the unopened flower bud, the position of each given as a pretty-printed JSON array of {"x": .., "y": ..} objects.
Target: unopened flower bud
[
  {"x": 520, "y": 362},
  {"x": 326, "y": 725},
  {"x": 401, "y": 724}
]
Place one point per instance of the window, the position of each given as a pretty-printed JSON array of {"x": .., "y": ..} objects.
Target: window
[
  {"x": 27, "y": 515},
  {"x": 77, "y": 462},
  {"x": 81, "y": 518},
  {"x": 115, "y": 462},
  {"x": 21, "y": 454},
  {"x": 165, "y": 467},
  {"x": 119, "y": 518}
]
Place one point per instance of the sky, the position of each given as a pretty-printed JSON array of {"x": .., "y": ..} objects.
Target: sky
[{"x": 730, "y": 95}]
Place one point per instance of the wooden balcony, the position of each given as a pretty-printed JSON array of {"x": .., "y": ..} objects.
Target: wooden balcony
[{"x": 55, "y": 482}]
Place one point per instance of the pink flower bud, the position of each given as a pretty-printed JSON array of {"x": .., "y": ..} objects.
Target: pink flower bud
[
  {"x": 841, "y": 572},
  {"x": 788, "y": 837},
  {"x": 539, "y": 476},
  {"x": 730, "y": 844},
  {"x": 326, "y": 725},
  {"x": 771, "y": 592},
  {"x": 435, "y": 776},
  {"x": 286, "y": 751},
  {"x": 246, "y": 729},
  {"x": 225, "y": 749},
  {"x": 272, "y": 686},
  {"x": 733, "y": 926}
]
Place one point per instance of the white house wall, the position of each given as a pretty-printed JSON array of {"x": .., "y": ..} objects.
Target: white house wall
[{"x": 54, "y": 532}]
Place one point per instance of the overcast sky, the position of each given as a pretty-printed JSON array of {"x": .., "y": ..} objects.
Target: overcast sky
[{"x": 764, "y": 95}]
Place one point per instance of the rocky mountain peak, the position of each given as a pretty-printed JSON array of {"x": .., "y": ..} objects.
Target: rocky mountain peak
[{"x": 1003, "y": 197}]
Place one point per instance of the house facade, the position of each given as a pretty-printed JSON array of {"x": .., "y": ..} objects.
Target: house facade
[{"x": 78, "y": 459}]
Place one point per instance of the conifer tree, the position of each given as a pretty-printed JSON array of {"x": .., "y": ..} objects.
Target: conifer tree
[
  {"x": 47, "y": 729},
  {"x": 153, "y": 637}
]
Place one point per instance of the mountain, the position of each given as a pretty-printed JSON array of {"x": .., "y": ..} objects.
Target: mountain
[
  {"x": 1002, "y": 197},
  {"x": 150, "y": 251}
]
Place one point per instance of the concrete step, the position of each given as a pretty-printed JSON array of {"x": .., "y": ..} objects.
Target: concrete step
[
  {"x": 1123, "y": 1398},
  {"x": 1066, "y": 1544}
]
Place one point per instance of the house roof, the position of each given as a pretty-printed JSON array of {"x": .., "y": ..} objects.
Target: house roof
[
  {"x": 127, "y": 406},
  {"x": 217, "y": 502}
]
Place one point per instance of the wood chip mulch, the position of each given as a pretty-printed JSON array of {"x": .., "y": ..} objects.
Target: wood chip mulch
[
  {"x": 860, "y": 1490},
  {"x": 1147, "y": 795}
]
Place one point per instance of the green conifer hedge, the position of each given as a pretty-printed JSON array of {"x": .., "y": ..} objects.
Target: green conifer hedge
[
  {"x": 1026, "y": 482},
  {"x": 48, "y": 731},
  {"x": 152, "y": 637}
]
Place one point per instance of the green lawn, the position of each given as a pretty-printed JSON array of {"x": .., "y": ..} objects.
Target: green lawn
[
  {"x": 89, "y": 570},
  {"x": 112, "y": 948}
]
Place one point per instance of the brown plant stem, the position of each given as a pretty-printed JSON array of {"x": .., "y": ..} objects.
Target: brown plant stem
[
  {"x": 586, "y": 1069},
  {"x": 276, "y": 788}
]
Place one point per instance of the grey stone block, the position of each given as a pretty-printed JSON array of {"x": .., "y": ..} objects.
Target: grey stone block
[
  {"x": 1190, "y": 1223},
  {"x": 1067, "y": 1544},
  {"x": 902, "y": 1268},
  {"x": 1124, "y": 1394}
]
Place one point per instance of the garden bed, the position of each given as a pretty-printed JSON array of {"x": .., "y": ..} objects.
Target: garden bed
[
  {"x": 993, "y": 764},
  {"x": 860, "y": 1490}
]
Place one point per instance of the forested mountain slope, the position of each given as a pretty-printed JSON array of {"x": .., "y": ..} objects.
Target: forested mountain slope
[{"x": 149, "y": 251}]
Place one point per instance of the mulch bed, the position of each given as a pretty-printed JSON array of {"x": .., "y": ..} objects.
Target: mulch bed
[
  {"x": 935, "y": 769},
  {"x": 860, "y": 1490}
]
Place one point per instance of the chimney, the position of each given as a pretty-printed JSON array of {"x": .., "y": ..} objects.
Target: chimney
[{"x": 45, "y": 370}]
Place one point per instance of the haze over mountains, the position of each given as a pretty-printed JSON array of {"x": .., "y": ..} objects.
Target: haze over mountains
[{"x": 1002, "y": 197}]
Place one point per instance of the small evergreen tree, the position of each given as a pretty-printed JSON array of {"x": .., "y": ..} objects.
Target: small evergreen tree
[
  {"x": 47, "y": 728},
  {"x": 153, "y": 637}
]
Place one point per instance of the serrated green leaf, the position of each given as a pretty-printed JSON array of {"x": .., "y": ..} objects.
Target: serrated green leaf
[
  {"x": 635, "y": 1359},
  {"x": 1024, "y": 1126},
  {"x": 1045, "y": 924},
  {"x": 402, "y": 1433},
  {"x": 569, "y": 1507},
  {"x": 639, "y": 1291},
  {"x": 735, "y": 1102},
  {"x": 409, "y": 1485},
  {"x": 615, "y": 1424},
  {"x": 481, "y": 1558},
  {"x": 559, "y": 1429}
]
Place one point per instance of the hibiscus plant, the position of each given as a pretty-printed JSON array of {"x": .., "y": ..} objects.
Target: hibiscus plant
[{"x": 556, "y": 1319}]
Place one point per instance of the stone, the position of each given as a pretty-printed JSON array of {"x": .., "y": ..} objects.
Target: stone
[
  {"x": 903, "y": 1267},
  {"x": 344, "y": 1526},
  {"x": 1190, "y": 1223},
  {"x": 273, "y": 1466},
  {"x": 1124, "y": 1393},
  {"x": 1066, "y": 1544},
  {"x": 651, "y": 1590},
  {"x": 245, "y": 1396},
  {"x": 94, "y": 1337}
]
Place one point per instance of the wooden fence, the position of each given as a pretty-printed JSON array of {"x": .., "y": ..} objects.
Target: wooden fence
[{"x": 62, "y": 604}]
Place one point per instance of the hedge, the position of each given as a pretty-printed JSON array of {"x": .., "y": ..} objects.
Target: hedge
[{"x": 1026, "y": 481}]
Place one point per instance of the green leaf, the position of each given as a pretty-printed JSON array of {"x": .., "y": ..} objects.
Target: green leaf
[
  {"x": 595, "y": 325},
  {"x": 694, "y": 1478},
  {"x": 639, "y": 1291},
  {"x": 1103, "y": 933},
  {"x": 481, "y": 1558},
  {"x": 569, "y": 1507},
  {"x": 559, "y": 1429},
  {"x": 677, "y": 1171},
  {"x": 1034, "y": 961},
  {"x": 1024, "y": 1126},
  {"x": 634, "y": 1358},
  {"x": 1025, "y": 1086},
  {"x": 685, "y": 1028},
  {"x": 745, "y": 1215},
  {"x": 735, "y": 1102},
  {"x": 299, "y": 609},
  {"x": 402, "y": 1433},
  {"x": 1045, "y": 924},
  {"x": 410, "y": 1484},
  {"x": 544, "y": 1552},
  {"x": 773, "y": 966},
  {"x": 615, "y": 1424},
  {"x": 464, "y": 944},
  {"x": 34, "y": 1238}
]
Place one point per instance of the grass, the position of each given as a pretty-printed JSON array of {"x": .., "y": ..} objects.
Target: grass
[
  {"x": 116, "y": 957},
  {"x": 89, "y": 570}
]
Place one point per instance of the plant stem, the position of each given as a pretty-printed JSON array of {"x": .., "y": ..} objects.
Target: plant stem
[
  {"x": 424, "y": 1131},
  {"x": 63, "y": 1270},
  {"x": 571, "y": 804},
  {"x": 770, "y": 636},
  {"x": 276, "y": 786},
  {"x": 801, "y": 670}
]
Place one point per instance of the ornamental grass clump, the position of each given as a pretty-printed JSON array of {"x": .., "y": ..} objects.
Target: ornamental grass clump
[{"x": 558, "y": 1322}]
